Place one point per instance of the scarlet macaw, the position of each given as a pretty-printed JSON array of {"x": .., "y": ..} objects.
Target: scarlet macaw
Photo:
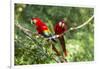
[
  {"x": 42, "y": 28},
  {"x": 59, "y": 29}
]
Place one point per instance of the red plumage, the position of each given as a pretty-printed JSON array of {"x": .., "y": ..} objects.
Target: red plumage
[
  {"x": 40, "y": 26},
  {"x": 59, "y": 29}
]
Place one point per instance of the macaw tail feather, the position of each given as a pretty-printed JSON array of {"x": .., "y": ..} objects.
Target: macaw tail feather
[
  {"x": 57, "y": 52},
  {"x": 62, "y": 42}
]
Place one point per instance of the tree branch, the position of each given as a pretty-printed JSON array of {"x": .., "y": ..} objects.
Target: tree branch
[
  {"x": 27, "y": 32},
  {"x": 82, "y": 25}
]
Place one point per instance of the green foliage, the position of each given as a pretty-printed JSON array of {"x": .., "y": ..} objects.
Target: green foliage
[{"x": 79, "y": 43}]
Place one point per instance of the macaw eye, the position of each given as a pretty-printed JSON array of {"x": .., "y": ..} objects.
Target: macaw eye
[{"x": 60, "y": 23}]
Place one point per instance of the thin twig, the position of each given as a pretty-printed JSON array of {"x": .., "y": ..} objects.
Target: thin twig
[
  {"x": 82, "y": 25},
  {"x": 27, "y": 32}
]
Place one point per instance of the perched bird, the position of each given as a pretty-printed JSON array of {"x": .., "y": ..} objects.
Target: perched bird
[
  {"x": 59, "y": 29},
  {"x": 43, "y": 30}
]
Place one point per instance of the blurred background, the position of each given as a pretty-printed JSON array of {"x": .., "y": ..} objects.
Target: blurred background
[{"x": 79, "y": 43}]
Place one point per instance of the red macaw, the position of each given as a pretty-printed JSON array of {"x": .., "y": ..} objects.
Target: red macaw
[
  {"x": 60, "y": 28},
  {"x": 42, "y": 29}
]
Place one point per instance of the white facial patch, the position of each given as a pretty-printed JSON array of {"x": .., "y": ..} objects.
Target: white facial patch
[
  {"x": 34, "y": 20},
  {"x": 60, "y": 23},
  {"x": 63, "y": 24}
]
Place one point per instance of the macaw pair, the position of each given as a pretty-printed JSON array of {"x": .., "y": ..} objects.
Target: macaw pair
[{"x": 59, "y": 28}]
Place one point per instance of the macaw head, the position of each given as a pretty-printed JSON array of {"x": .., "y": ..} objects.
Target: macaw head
[
  {"x": 61, "y": 24},
  {"x": 35, "y": 20}
]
